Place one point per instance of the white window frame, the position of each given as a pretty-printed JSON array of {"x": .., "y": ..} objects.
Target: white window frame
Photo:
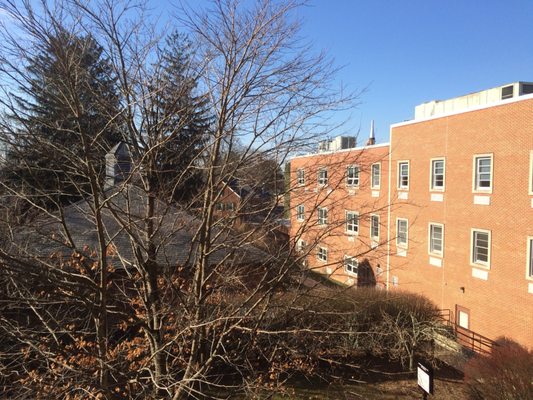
[
  {"x": 349, "y": 269},
  {"x": 475, "y": 174},
  {"x": 353, "y": 181},
  {"x": 354, "y": 221},
  {"x": 219, "y": 206},
  {"x": 432, "y": 174},
  {"x": 322, "y": 180},
  {"x": 300, "y": 177},
  {"x": 322, "y": 219},
  {"x": 372, "y": 236},
  {"x": 322, "y": 254},
  {"x": 301, "y": 245},
  {"x": 529, "y": 258},
  {"x": 430, "y": 239},
  {"x": 230, "y": 206},
  {"x": 401, "y": 186},
  {"x": 478, "y": 263},
  {"x": 398, "y": 243},
  {"x": 530, "y": 189},
  {"x": 373, "y": 184},
  {"x": 300, "y": 212}
]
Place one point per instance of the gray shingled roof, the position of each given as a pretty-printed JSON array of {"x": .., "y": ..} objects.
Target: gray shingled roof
[{"x": 123, "y": 219}]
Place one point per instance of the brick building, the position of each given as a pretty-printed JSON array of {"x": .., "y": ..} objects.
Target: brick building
[{"x": 451, "y": 218}]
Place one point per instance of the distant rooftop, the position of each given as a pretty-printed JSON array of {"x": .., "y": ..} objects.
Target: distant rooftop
[{"x": 485, "y": 97}]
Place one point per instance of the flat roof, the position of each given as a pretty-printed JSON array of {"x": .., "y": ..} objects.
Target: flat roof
[
  {"x": 341, "y": 150},
  {"x": 475, "y": 108}
]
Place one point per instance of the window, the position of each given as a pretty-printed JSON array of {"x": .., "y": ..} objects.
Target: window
[
  {"x": 352, "y": 222},
  {"x": 437, "y": 174},
  {"x": 322, "y": 216},
  {"x": 323, "y": 177},
  {"x": 352, "y": 175},
  {"x": 230, "y": 206},
  {"x": 481, "y": 247},
  {"x": 300, "y": 212},
  {"x": 531, "y": 172},
  {"x": 436, "y": 239},
  {"x": 300, "y": 177},
  {"x": 403, "y": 175},
  {"x": 507, "y": 92},
  {"x": 530, "y": 257},
  {"x": 322, "y": 254},
  {"x": 483, "y": 173},
  {"x": 350, "y": 265},
  {"x": 219, "y": 206},
  {"x": 375, "y": 178},
  {"x": 301, "y": 245},
  {"x": 374, "y": 227},
  {"x": 401, "y": 232}
]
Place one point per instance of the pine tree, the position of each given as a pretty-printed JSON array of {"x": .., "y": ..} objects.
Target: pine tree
[
  {"x": 182, "y": 117},
  {"x": 69, "y": 96}
]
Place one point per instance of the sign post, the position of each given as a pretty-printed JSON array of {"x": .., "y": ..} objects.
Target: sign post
[{"x": 424, "y": 374}]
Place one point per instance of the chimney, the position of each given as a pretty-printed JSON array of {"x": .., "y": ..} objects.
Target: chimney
[
  {"x": 117, "y": 164},
  {"x": 371, "y": 139}
]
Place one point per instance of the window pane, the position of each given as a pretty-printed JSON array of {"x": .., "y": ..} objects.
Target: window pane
[
  {"x": 481, "y": 247},
  {"x": 531, "y": 257},
  {"x": 483, "y": 173},
  {"x": 435, "y": 244},
  {"x": 437, "y": 178},
  {"x": 374, "y": 226},
  {"x": 375, "y": 175}
]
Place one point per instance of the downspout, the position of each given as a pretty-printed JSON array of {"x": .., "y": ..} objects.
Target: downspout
[{"x": 389, "y": 210}]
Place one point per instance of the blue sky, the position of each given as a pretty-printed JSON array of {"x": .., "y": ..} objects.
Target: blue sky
[{"x": 411, "y": 51}]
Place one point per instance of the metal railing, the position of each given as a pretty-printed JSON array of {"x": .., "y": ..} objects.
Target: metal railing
[{"x": 468, "y": 339}]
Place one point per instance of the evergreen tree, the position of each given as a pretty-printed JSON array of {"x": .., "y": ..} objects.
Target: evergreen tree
[
  {"x": 69, "y": 120},
  {"x": 182, "y": 118}
]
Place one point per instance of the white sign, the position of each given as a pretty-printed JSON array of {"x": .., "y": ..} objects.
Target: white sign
[{"x": 424, "y": 376}]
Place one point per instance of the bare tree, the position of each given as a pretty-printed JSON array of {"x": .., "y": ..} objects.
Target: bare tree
[{"x": 128, "y": 293}]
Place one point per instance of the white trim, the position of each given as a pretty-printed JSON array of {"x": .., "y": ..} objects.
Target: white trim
[
  {"x": 475, "y": 157},
  {"x": 298, "y": 213},
  {"x": 375, "y": 238},
  {"x": 437, "y": 189},
  {"x": 529, "y": 255},
  {"x": 389, "y": 194},
  {"x": 344, "y": 265},
  {"x": 298, "y": 170},
  {"x": 402, "y": 245},
  {"x": 325, "y": 253},
  {"x": 318, "y": 216},
  {"x": 374, "y": 146},
  {"x": 530, "y": 186},
  {"x": 358, "y": 175},
  {"x": 476, "y": 108},
  {"x": 301, "y": 245},
  {"x": 435, "y": 253},
  {"x": 352, "y": 233},
  {"x": 398, "y": 182},
  {"x": 322, "y": 169},
  {"x": 485, "y": 265},
  {"x": 372, "y": 186}
]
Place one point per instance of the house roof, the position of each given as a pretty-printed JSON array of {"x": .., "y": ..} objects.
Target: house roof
[{"x": 124, "y": 221}]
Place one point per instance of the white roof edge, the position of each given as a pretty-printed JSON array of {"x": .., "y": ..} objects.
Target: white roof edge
[
  {"x": 341, "y": 151},
  {"x": 476, "y": 108}
]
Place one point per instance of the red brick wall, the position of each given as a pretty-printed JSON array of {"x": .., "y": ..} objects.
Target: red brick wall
[
  {"x": 337, "y": 197},
  {"x": 500, "y": 305}
]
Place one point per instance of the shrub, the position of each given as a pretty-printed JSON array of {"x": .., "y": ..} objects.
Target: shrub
[{"x": 505, "y": 374}]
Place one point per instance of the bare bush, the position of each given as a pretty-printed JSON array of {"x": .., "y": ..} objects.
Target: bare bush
[{"x": 504, "y": 374}]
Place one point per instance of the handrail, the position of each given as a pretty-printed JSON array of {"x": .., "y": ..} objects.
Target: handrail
[{"x": 465, "y": 337}]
